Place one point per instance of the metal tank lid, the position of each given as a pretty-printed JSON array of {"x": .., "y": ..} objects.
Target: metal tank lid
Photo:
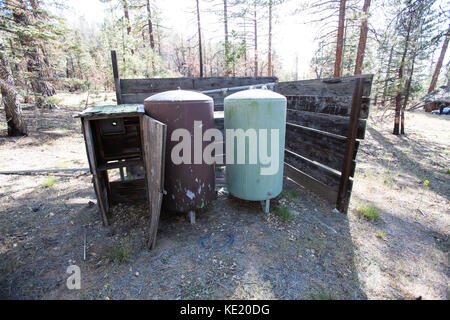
[
  {"x": 255, "y": 94},
  {"x": 178, "y": 96}
]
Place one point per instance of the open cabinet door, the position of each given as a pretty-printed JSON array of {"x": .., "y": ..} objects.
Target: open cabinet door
[{"x": 154, "y": 147}]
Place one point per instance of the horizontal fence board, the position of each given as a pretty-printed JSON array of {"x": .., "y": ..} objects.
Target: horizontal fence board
[
  {"x": 316, "y": 145},
  {"x": 325, "y": 122},
  {"x": 309, "y": 183},
  {"x": 136, "y": 97},
  {"x": 155, "y": 85},
  {"x": 333, "y": 105},
  {"x": 314, "y": 169},
  {"x": 339, "y": 87},
  {"x": 129, "y": 86},
  {"x": 211, "y": 83}
]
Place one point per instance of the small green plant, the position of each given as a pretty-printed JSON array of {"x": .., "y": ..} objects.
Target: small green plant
[
  {"x": 62, "y": 165},
  {"x": 53, "y": 100},
  {"x": 49, "y": 182},
  {"x": 291, "y": 195},
  {"x": 284, "y": 214},
  {"x": 380, "y": 234},
  {"x": 119, "y": 253},
  {"x": 447, "y": 171},
  {"x": 369, "y": 212}
]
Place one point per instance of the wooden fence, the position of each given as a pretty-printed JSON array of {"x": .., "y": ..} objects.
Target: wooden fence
[{"x": 326, "y": 119}]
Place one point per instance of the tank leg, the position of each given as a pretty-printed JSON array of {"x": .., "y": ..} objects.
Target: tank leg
[
  {"x": 265, "y": 204},
  {"x": 191, "y": 215}
]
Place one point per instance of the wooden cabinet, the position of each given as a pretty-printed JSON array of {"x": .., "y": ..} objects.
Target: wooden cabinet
[{"x": 124, "y": 139}]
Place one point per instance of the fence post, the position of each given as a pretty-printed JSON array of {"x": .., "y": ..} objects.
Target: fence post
[
  {"x": 116, "y": 76},
  {"x": 343, "y": 198}
]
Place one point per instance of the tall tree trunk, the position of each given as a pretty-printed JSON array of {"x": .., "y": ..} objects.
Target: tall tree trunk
[
  {"x": 227, "y": 45},
  {"x": 150, "y": 25},
  {"x": 435, "y": 77},
  {"x": 200, "y": 41},
  {"x": 386, "y": 80},
  {"x": 255, "y": 22},
  {"x": 269, "y": 53},
  {"x": 13, "y": 111},
  {"x": 398, "y": 97},
  {"x": 407, "y": 93},
  {"x": 362, "y": 38},
  {"x": 340, "y": 40},
  {"x": 127, "y": 15}
]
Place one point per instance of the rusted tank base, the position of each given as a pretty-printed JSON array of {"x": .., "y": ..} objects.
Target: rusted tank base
[{"x": 191, "y": 215}]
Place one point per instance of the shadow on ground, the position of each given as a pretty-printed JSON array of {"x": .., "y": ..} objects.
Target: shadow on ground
[{"x": 267, "y": 259}]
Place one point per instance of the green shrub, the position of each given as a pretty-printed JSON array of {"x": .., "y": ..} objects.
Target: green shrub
[
  {"x": 49, "y": 182},
  {"x": 369, "y": 212},
  {"x": 284, "y": 214},
  {"x": 119, "y": 253}
]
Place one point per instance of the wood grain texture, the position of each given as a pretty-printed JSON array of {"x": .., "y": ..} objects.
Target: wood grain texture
[
  {"x": 315, "y": 145},
  {"x": 335, "y": 87},
  {"x": 345, "y": 185},
  {"x": 325, "y": 122},
  {"x": 102, "y": 200},
  {"x": 154, "y": 143},
  {"x": 309, "y": 183},
  {"x": 325, "y": 175},
  {"x": 333, "y": 105}
]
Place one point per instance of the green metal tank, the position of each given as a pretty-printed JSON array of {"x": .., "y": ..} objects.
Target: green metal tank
[{"x": 260, "y": 177}]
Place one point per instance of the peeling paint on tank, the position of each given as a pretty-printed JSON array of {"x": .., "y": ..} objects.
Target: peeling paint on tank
[{"x": 190, "y": 194}]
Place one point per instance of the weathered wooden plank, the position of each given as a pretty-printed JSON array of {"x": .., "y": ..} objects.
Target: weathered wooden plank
[
  {"x": 327, "y": 149},
  {"x": 129, "y": 86},
  {"x": 99, "y": 190},
  {"x": 325, "y": 122},
  {"x": 116, "y": 76},
  {"x": 310, "y": 183},
  {"x": 131, "y": 98},
  {"x": 345, "y": 185},
  {"x": 333, "y": 105},
  {"x": 119, "y": 164},
  {"x": 129, "y": 190},
  {"x": 211, "y": 83},
  {"x": 314, "y": 169},
  {"x": 339, "y": 87},
  {"x": 154, "y": 145}
]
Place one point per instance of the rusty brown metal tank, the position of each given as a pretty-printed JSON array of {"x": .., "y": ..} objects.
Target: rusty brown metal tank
[{"x": 189, "y": 186}]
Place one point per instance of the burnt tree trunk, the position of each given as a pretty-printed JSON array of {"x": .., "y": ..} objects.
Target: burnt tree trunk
[
  {"x": 13, "y": 111},
  {"x": 435, "y": 77},
  {"x": 200, "y": 51},
  {"x": 362, "y": 39},
  {"x": 340, "y": 40}
]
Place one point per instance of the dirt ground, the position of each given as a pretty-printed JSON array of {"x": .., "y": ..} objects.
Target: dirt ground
[{"x": 234, "y": 251}]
